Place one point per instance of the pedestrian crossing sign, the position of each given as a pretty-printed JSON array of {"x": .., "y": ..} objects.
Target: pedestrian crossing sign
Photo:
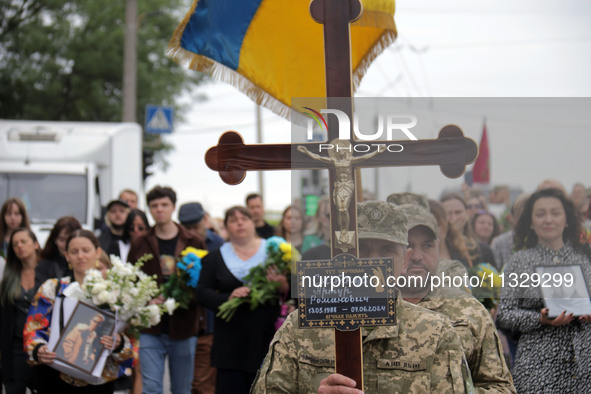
[{"x": 158, "y": 119}]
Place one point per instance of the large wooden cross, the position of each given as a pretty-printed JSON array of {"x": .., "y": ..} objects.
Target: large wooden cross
[{"x": 232, "y": 158}]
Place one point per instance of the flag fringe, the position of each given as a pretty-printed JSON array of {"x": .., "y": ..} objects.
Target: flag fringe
[
  {"x": 375, "y": 18},
  {"x": 256, "y": 93},
  {"x": 385, "y": 40},
  {"x": 220, "y": 72}
]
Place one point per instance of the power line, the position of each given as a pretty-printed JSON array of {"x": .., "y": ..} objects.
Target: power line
[
  {"x": 485, "y": 44},
  {"x": 205, "y": 129}
]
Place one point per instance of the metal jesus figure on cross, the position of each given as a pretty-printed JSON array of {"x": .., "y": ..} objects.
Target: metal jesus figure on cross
[
  {"x": 232, "y": 158},
  {"x": 341, "y": 157}
]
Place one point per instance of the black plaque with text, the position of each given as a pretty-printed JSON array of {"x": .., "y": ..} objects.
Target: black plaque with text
[{"x": 346, "y": 293}]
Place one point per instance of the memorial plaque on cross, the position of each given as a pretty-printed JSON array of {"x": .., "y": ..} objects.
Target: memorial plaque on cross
[{"x": 232, "y": 158}]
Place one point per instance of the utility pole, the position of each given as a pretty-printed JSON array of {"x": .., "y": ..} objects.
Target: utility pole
[{"x": 130, "y": 62}]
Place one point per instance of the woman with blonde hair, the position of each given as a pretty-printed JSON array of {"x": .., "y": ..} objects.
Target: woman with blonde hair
[
  {"x": 291, "y": 226},
  {"x": 319, "y": 232}
]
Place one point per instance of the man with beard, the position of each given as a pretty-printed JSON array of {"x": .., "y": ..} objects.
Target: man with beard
[
  {"x": 469, "y": 317},
  {"x": 110, "y": 239}
]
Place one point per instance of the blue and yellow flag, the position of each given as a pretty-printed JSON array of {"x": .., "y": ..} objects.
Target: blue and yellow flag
[{"x": 273, "y": 50}]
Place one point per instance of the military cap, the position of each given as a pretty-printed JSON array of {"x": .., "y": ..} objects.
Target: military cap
[
  {"x": 409, "y": 198},
  {"x": 381, "y": 220},
  {"x": 416, "y": 209}
]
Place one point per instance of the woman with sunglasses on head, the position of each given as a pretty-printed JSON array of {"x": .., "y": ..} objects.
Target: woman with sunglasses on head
[
  {"x": 82, "y": 253},
  {"x": 474, "y": 205}
]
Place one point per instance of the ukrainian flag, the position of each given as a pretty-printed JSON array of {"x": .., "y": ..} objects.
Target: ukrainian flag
[{"x": 272, "y": 50}]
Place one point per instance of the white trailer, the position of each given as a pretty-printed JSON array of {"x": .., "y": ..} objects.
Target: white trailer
[{"x": 68, "y": 168}]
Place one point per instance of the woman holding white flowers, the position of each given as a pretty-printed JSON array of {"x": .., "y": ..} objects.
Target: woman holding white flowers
[
  {"x": 240, "y": 345},
  {"x": 82, "y": 253}
]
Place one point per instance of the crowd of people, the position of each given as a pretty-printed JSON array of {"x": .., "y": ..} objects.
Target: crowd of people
[{"x": 518, "y": 345}]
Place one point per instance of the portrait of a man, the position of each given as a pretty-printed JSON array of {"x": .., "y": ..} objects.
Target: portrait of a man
[{"x": 80, "y": 343}]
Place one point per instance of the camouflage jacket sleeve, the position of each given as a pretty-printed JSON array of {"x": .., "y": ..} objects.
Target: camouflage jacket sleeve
[
  {"x": 478, "y": 336},
  {"x": 489, "y": 369},
  {"x": 279, "y": 372},
  {"x": 449, "y": 371},
  {"x": 290, "y": 368}
]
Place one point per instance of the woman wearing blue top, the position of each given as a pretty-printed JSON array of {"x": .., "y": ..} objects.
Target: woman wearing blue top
[{"x": 240, "y": 345}]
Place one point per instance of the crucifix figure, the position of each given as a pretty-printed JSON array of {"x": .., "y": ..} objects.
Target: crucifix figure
[
  {"x": 342, "y": 159},
  {"x": 232, "y": 158}
]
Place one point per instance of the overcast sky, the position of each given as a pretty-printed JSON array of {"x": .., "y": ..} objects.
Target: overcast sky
[{"x": 456, "y": 48}]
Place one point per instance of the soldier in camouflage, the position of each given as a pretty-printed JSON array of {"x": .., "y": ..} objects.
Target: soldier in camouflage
[
  {"x": 468, "y": 316},
  {"x": 421, "y": 353}
]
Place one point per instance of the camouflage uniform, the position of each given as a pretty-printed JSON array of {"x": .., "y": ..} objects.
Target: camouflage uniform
[
  {"x": 469, "y": 317},
  {"x": 478, "y": 336},
  {"x": 419, "y": 354}
]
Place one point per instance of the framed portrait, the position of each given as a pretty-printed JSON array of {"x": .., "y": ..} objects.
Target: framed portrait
[
  {"x": 564, "y": 288},
  {"x": 79, "y": 343}
]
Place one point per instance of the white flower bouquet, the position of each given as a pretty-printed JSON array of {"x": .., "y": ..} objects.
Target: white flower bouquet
[{"x": 126, "y": 291}]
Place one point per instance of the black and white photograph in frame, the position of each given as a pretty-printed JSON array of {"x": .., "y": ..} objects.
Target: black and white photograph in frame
[
  {"x": 572, "y": 294},
  {"x": 79, "y": 344}
]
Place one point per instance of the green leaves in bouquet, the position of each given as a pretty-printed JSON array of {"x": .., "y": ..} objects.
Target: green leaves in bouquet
[
  {"x": 262, "y": 292},
  {"x": 488, "y": 292},
  {"x": 175, "y": 289},
  {"x": 182, "y": 283}
]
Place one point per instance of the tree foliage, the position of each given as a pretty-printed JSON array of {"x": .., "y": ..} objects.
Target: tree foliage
[{"x": 63, "y": 60}]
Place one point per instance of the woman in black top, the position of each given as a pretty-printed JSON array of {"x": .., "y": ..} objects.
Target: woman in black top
[
  {"x": 16, "y": 292},
  {"x": 240, "y": 345},
  {"x": 53, "y": 261}
]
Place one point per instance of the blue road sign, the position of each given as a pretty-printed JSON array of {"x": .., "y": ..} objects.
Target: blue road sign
[{"x": 158, "y": 119}]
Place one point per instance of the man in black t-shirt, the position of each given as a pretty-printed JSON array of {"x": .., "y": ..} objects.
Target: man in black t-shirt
[
  {"x": 176, "y": 335},
  {"x": 254, "y": 203}
]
